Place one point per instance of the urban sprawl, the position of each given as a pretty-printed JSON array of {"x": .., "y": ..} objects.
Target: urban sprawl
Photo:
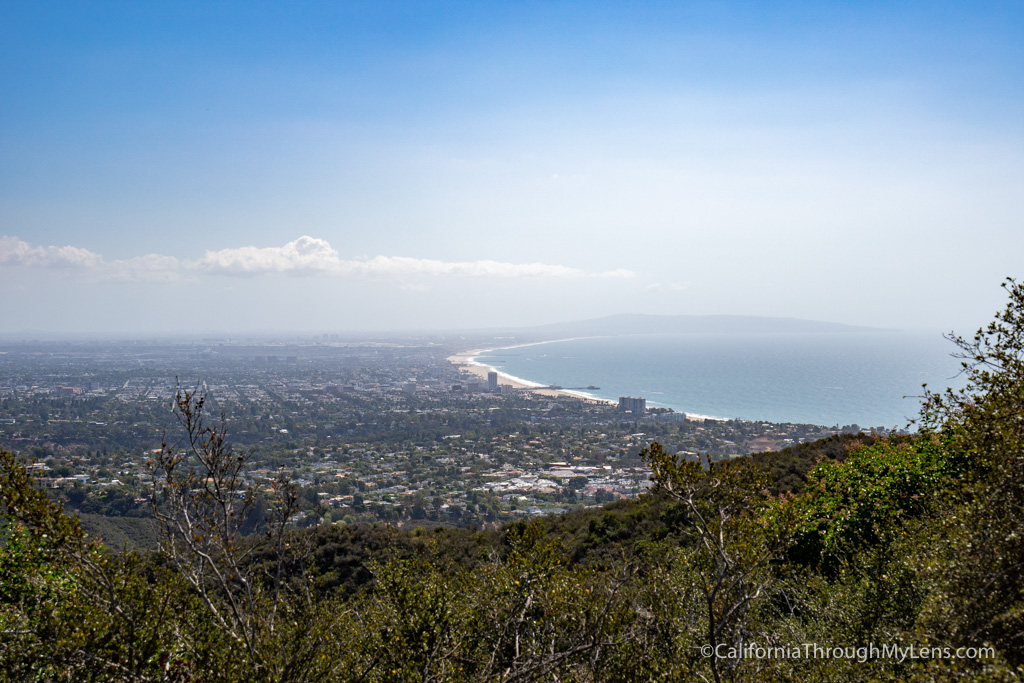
[{"x": 387, "y": 430}]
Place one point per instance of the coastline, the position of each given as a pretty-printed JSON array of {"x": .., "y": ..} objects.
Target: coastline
[
  {"x": 467, "y": 360},
  {"x": 863, "y": 379}
]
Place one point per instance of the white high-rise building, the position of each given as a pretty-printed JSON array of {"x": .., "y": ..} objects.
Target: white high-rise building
[{"x": 633, "y": 404}]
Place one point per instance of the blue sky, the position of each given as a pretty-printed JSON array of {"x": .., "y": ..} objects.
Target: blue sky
[{"x": 346, "y": 166}]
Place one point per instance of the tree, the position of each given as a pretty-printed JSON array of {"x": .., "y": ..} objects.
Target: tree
[
  {"x": 71, "y": 611},
  {"x": 989, "y": 407},
  {"x": 535, "y": 618},
  {"x": 259, "y": 595},
  {"x": 979, "y": 579},
  {"x": 736, "y": 529}
]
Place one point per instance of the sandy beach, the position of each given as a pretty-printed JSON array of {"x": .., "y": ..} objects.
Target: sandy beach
[{"x": 466, "y": 360}]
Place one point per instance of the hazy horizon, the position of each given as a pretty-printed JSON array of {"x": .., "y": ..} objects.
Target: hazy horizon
[
  {"x": 286, "y": 169},
  {"x": 557, "y": 331}
]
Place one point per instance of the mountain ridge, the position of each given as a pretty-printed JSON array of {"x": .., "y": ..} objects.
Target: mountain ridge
[{"x": 640, "y": 323}]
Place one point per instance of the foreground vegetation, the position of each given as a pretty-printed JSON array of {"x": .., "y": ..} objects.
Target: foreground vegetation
[{"x": 896, "y": 558}]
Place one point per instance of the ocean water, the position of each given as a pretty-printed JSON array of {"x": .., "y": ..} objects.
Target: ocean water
[{"x": 872, "y": 379}]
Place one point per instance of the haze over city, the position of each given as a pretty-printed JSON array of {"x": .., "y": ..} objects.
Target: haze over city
[{"x": 233, "y": 167}]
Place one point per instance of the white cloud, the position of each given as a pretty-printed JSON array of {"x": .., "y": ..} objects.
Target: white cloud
[
  {"x": 311, "y": 256},
  {"x": 150, "y": 267},
  {"x": 304, "y": 256},
  {"x": 658, "y": 287},
  {"x": 383, "y": 266},
  {"x": 16, "y": 252},
  {"x": 620, "y": 273}
]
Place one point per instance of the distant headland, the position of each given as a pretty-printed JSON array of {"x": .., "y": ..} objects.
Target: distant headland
[{"x": 679, "y": 324}]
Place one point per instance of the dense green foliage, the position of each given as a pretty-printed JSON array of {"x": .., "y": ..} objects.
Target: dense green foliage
[{"x": 862, "y": 543}]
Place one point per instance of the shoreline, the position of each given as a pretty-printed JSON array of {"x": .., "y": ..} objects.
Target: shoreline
[
  {"x": 865, "y": 379},
  {"x": 467, "y": 360}
]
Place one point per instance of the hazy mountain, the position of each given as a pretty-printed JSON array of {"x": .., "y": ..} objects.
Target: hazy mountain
[{"x": 662, "y": 324}]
